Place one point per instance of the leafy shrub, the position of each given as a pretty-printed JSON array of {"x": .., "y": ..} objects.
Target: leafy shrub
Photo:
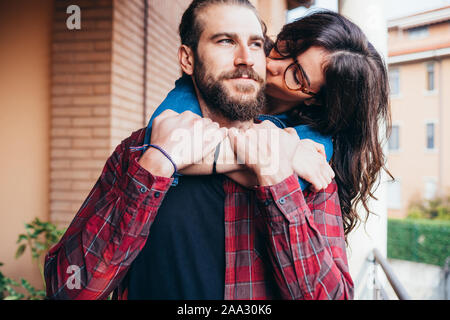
[
  {"x": 438, "y": 209},
  {"x": 419, "y": 240}
]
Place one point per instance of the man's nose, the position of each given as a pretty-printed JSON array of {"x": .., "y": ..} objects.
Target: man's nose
[{"x": 243, "y": 56}]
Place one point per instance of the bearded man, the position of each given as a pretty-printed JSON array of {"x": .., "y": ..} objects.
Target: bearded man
[{"x": 146, "y": 233}]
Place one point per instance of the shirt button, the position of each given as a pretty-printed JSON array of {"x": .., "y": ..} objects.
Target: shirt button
[
  {"x": 143, "y": 189},
  {"x": 157, "y": 194},
  {"x": 282, "y": 201},
  {"x": 267, "y": 202}
]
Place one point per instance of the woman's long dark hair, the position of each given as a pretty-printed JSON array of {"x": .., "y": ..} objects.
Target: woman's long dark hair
[{"x": 350, "y": 107}]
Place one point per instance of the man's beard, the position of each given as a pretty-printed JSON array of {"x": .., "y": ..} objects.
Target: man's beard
[{"x": 220, "y": 101}]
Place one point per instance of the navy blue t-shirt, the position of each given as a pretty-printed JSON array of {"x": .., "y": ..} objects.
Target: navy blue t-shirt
[{"x": 184, "y": 255}]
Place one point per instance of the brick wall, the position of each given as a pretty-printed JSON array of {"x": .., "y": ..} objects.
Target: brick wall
[
  {"x": 98, "y": 87},
  {"x": 80, "y": 104},
  {"x": 127, "y": 82},
  {"x": 163, "y": 44}
]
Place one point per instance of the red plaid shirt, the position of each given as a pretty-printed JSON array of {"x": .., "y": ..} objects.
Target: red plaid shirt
[{"x": 280, "y": 242}]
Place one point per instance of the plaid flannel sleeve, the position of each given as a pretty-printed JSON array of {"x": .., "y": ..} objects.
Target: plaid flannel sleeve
[
  {"x": 108, "y": 231},
  {"x": 306, "y": 241}
]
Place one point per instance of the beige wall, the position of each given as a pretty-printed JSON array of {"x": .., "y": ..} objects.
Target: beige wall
[
  {"x": 445, "y": 96},
  {"x": 399, "y": 41},
  {"x": 411, "y": 110},
  {"x": 24, "y": 125},
  {"x": 273, "y": 13}
]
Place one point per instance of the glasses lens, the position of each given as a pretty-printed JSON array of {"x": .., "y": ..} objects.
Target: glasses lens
[{"x": 294, "y": 78}]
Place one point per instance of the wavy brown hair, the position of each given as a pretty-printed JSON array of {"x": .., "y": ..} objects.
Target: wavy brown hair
[{"x": 350, "y": 107}]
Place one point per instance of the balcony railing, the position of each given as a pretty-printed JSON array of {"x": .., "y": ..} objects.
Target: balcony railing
[{"x": 379, "y": 292}]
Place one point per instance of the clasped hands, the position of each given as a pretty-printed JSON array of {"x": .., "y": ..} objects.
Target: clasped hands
[{"x": 261, "y": 154}]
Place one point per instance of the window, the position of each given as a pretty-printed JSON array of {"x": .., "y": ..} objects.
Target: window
[
  {"x": 394, "y": 139},
  {"x": 430, "y": 188},
  {"x": 394, "y": 194},
  {"x": 394, "y": 81},
  {"x": 430, "y": 76},
  {"x": 430, "y": 136},
  {"x": 418, "y": 33}
]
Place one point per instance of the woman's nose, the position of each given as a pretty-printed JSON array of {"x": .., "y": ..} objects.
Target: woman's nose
[{"x": 273, "y": 66}]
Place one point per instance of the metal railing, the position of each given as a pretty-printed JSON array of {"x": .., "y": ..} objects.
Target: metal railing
[
  {"x": 379, "y": 291},
  {"x": 446, "y": 271}
]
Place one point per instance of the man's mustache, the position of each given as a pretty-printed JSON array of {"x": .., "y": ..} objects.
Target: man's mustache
[{"x": 241, "y": 72}]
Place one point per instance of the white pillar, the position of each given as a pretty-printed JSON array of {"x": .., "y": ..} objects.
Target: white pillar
[{"x": 369, "y": 15}]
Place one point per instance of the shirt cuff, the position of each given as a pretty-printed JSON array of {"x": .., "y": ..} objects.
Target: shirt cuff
[
  {"x": 283, "y": 199},
  {"x": 139, "y": 184}
]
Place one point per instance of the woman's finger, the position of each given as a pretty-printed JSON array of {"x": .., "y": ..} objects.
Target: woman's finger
[{"x": 290, "y": 130}]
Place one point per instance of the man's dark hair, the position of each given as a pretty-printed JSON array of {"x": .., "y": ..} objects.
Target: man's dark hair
[{"x": 191, "y": 28}]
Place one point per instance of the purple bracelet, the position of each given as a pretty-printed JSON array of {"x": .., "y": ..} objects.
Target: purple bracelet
[{"x": 167, "y": 156}]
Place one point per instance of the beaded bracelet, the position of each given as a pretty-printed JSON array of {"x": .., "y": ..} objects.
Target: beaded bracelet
[
  {"x": 175, "y": 174},
  {"x": 166, "y": 154}
]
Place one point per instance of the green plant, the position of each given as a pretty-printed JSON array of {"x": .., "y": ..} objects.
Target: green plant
[
  {"x": 39, "y": 236},
  {"x": 436, "y": 209},
  {"x": 7, "y": 285},
  {"x": 419, "y": 240}
]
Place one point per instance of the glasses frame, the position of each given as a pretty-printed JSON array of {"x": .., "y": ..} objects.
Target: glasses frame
[{"x": 302, "y": 88}]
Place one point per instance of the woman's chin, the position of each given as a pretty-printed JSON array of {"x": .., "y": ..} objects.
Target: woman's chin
[
  {"x": 271, "y": 90},
  {"x": 274, "y": 92}
]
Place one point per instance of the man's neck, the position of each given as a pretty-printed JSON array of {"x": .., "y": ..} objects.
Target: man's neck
[{"x": 221, "y": 120}]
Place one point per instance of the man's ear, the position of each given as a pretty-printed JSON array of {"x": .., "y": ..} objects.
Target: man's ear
[{"x": 186, "y": 59}]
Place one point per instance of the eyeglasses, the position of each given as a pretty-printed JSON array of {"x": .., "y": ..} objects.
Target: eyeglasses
[
  {"x": 294, "y": 75},
  {"x": 295, "y": 78}
]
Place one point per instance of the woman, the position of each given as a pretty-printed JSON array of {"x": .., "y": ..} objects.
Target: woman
[
  {"x": 350, "y": 105},
  {"x": 326, "y": 80}
]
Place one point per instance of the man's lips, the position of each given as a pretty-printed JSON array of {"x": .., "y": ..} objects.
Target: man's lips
[
  {"x": 243, "y": 78},
  {"x": 242, "y": 74}
]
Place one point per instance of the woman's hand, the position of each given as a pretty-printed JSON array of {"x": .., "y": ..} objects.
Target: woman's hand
[
  {"x": 266, "y": 150},
  {"x": 310, "y": 163},
  {"x": 273, "y": 154}
]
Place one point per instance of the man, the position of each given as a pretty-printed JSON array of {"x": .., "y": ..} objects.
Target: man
[{"x": 207, "y": 237}]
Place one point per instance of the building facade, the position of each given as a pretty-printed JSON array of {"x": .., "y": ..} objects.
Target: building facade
[{"x": 419, "y": 71}]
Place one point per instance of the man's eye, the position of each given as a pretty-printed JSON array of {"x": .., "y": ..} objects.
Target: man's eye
[
  {"x": 257, "y": 44},
  {"x": 226, "y": 41}
]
